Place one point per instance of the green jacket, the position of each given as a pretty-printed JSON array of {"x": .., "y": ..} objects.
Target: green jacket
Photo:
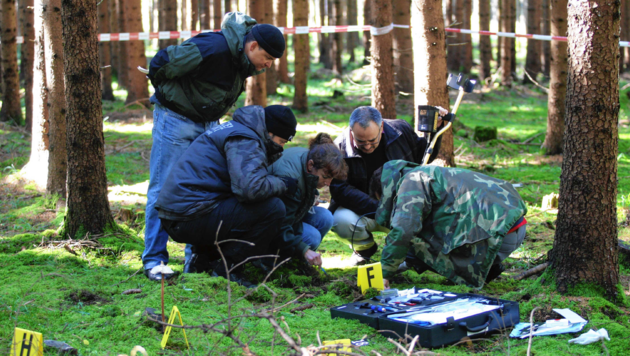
[
  {"x": 454, "y": 220},
  {"x": 204, "y": 76},
  {"x": 293, "y": 164}
]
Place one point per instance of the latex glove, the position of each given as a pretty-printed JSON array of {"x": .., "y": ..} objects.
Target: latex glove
[
  {"x": 385, "y": 283},
  {"x": 313, "y": 258},
  {"x": 590, "y": 337}
]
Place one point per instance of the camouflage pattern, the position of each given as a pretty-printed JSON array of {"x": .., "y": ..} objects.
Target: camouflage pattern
[{"x": 454, "y": 220}]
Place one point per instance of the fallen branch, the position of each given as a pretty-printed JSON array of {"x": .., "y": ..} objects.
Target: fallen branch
[
  {"x": 302, "y": 307},
  {"x": 546, "y": 90},
  {"x": 531, "y": 330},
  {"x": 531, "y": 272}
]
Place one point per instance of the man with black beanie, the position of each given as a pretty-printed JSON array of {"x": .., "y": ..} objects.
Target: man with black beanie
[
  {"x": 220, "y": 188},
  {"x": 196, "y": 83}
]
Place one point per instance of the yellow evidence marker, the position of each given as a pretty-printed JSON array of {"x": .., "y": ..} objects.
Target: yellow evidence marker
[
  {"x": 27, "y": 342},
  {"x": 341, "y": 345},
  {"x": 171, "y": 319},
  {"x": 370, "y": 276}
]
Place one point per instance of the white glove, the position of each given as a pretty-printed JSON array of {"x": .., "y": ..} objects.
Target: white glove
[{"x": 590, "y": 337}]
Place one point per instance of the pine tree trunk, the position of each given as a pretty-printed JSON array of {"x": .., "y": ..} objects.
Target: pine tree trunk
[
  {"x": 324, "y": 39},
  {"x": 138, "y": 87},
  {"x": 217, "y": 14},
  {"x": 301, "y": 48},
  {"x": 500, "y": 20},
  {"x": 403, "y": 51},
  {"x": 485, "y": 46},
  {"x": 272, "y": 76},
  {"x": 367, "y": 16},
  {"x": 455, "y": 49},
  {"x": 28, "y": 54},
  {"x": 205, "y": 15},
  {"x": 430, "y": 71},
  {"x": 115, "y": 45},
  {"x": 256, "y": 85},
  {"x": 11, "y": 109},
  {"x": 337, "y": 45},
  {"x": 506, "y": 47},
  {"x": 228, "y": 7},
  {"x": 58, "y": 157},
  {"x": 558, "y": 81},
  {"x": 168, "y": 20},
  {"x": 532, "y": 61},
  {"x": 383, "y": 88},
  {"x": 625, "y": 34},
  {"x": 353, "y": 37},
  {"x": 467, "y": 55},
  {"x": 193, "y": 15},
  {"x": 281, "y": 19},
  {"x": 512, "y": 41},
  {"x": 87, "y": 207},
  {"x": 123, "y": 73},
  {"x": 546, "y": 45},
  {"x": 585, "y": 245},
  {"x": 104, "y": 50}
]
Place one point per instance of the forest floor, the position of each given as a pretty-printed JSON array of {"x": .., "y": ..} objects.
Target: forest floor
[{"x": 74, "y": 291}]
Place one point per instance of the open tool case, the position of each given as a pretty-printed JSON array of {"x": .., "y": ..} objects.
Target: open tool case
[{"x": 439, "y": 318}]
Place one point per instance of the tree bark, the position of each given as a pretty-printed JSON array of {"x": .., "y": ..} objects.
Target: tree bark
[
  {"x": 193, "y": 15},
  {"x": 302, "y": 61},
  {"x": 558, "y": 81},
  {"x": 500, "y": 20},
  {"x": 383, "y": 88},
  {"x": 403, "y": 51},
  {"x": 455, "y": 50},
  {"x": 228, "y": 6},
  {"x": 585, "y": 245},
  {"x": 546, "y": 45},
  {"x": 87, "y": 206},
  {"x": 512, "y": 41},
  {"x": 532, "y": 61},
  {"x": 123, "y": 73},
  {"x": 256, "y": 85},
  {"x": 205, "y": 14},
  {"x": 506, "y": 47},
  {"x": 168, "y": 20},
  {"x": 324, "y": 38},
  {"x": 367, "y": 37},
  {"x": 115, "y": 45},
  {"x": 272, "y": 77},
  {"x": 104, "y": 50},
  {"x": 467, "y": 55},
  {"x": 282, "y": 66},
  {"x": 429, "y": 52},
  {"x": 625, "y": 35},
  {"x": 337, "y": 45},
  {"x": 217, "y": 14},
  {"x": 353, "y": 37},
  {"x": 485, "y": 46},
  {"x": 137, "y": 88},
  {"x": 11, "y": 109},
  {"x": 28, "y": 56}
]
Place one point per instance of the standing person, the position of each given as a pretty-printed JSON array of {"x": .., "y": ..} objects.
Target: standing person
[
  {"x": 195, "y": 84},
  {"x": 455, "y": 222},
  {"x": 367, "y": 143},
  {"x": 220, "y": 189},
  {"x": 306, "y": 224}
]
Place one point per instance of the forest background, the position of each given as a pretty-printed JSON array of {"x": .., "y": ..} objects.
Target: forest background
[{"x": 74, "y": 285}]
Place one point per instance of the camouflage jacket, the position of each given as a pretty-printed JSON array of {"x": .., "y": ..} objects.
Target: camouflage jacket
[{"x": 454, "y": 220}]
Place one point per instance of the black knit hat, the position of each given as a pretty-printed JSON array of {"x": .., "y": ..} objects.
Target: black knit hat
[
  {"x": 270, "y": 39},
  {"x": 280, "y": 121}
]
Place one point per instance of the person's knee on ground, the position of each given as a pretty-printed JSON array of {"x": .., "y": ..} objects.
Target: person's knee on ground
[{"x": 353, "y": 229}]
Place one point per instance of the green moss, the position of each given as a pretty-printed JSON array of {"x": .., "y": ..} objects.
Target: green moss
[{"x": 485, "y": 133}]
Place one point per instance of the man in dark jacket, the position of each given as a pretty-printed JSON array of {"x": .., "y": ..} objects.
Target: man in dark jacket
[
  {"x": 367, "y": 144},
  {"x": 220, "y": 189},
  {"x": 195, "y": 85}
]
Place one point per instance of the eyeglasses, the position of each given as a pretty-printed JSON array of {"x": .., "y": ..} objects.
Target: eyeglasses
[{"x": 373, "y": 142}]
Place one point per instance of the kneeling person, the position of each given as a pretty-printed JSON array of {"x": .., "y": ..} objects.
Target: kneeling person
[
  {"x": 305, "y": 224},
  {"x": 457, "y": 223}
]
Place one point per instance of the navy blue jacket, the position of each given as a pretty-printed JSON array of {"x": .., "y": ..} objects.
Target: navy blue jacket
[{"x": 401, "y": 142}]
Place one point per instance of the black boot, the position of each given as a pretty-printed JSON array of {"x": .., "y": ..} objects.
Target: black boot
[
  {"x": 495, "y": 271},
  {"x": 199, "y": 261},
  {"x": 235, "y": 275}
]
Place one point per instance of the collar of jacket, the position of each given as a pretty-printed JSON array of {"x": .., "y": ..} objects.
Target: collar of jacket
[{"x": 350, "y": 151}]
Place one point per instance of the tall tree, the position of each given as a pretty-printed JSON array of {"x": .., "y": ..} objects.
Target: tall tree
[
  {"x": 430, "y": 72},
  {"x": 585, "y": 244},
  {"x": 115, "y": 45},
  {"x": 281, "y": 19},
  {"x": 403, "y": 55},
  {"x": 168, "y": 20},
  {"x": 256, "y": 85},
  {"x": 383, "y": 88},
  {"x": 558, "y": 81},
  {"x": 104, "y": 51},
  {"x": 455, "y": 53},
  {"x": 28, "y": 54},
  {"x": 532, "y": 61},
  {"x": 367, "y": 37},
  {"x": 87, "y": 205},
  {"x": 506, "y": 46},
  {"x": 353, "y": 37},
  {"x": 545, "y": 29},
  {"x": 485, "y": 46},
  {"x": 324, "y": 38},
  {"x": 512, "y": 41},
  {"x": 122, "y": 70},
  {"x": 337, "y": 45},
  {"x": 11, "y": 109},
  {"x": 217, "y": 14},
  {"x": 192, "y": 14},
  {"x": 467, "y": 54},
  {"x": 228, "y": 7},
  {"x": 272, "y": 76},
  {"x": 302, "y": 61},
  {"x": 137, "y": 88},
  {"x": 625, "y": 35},
  {"x": 205, "y": 15},
  {"x": 57, "y": 156}
]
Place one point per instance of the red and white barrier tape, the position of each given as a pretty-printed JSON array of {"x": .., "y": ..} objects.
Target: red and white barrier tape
[{"x": 166, "y": 35}]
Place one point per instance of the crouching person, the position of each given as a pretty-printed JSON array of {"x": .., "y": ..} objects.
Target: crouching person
[
  {"x": 220, "y": 189},
  {"x": 457, "y": 223},
  {"x": 305, "y": 224}
]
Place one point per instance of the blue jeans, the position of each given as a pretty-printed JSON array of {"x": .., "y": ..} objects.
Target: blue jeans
[
  {"x": 172, "y": 134},
  {"x": 315, "y": 225}
]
